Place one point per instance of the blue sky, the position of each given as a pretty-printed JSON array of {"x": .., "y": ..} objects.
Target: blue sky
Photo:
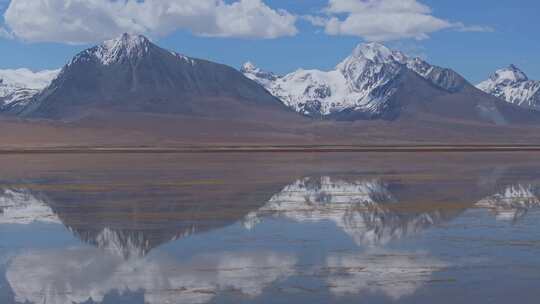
[{"x": 472, "y": 37}]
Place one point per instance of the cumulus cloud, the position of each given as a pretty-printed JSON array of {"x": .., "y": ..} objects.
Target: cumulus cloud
[
  {"x": 85, "y": 21},
  {"x": 383, "y": 20}
]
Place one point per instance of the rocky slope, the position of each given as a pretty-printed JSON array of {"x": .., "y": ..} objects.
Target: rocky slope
[{"x": 512, "y": 85}]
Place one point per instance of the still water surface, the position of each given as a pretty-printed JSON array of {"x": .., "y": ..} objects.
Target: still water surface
[{"x": 267, "y": 228}]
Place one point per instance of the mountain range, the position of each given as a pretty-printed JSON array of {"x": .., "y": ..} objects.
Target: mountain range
[
  {"x": 376, "y": 82},
  {"x": 131, "y": 78}
]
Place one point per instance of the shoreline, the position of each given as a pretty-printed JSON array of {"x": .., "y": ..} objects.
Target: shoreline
[{"x": 275, "y": 149}]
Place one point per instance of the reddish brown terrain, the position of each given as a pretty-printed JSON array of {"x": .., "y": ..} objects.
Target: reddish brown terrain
[{"x": 159, "y": 130}]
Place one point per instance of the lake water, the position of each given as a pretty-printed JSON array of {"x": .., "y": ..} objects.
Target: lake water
[{"x": 270, "y": 228}]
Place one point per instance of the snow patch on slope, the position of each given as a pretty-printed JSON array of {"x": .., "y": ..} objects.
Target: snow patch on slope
[
  {"x": 130, "y": 46},
  {"x": 127, "y": 47}
]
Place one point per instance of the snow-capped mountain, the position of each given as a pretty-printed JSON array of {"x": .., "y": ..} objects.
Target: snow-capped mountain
[
  {"x": 17, "y": 87},
  {"x": 132, "y": 74},
  {"x": 363, "y": 82},
  {"x": 513, "y": 85}
]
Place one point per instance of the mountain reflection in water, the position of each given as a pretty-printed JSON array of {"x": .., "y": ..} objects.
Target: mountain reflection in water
[
  {"x": 513, "y": 202},
  {"x": 362, "y": 209},
  {"x": 121, "y": 258},
  {"x": 19, "y": 206}
]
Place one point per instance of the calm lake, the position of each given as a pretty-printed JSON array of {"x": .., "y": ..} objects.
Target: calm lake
[{"x": 270, "y": 228}]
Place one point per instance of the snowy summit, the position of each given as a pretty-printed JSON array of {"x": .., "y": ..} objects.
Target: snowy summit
[
  {"x": 125, "y": 47},
  {"x": 512, "y": 85}
]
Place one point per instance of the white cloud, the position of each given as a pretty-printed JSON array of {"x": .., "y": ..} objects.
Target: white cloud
[
  {"x": 474, "y": 28},
  {"x": 85, "y": 21},
  {"x": 383, "y": 20},
  {"x": 4, "y": 33},
  {"x": 360, "y": 6},
  {"x": 315, "y": 20}
]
